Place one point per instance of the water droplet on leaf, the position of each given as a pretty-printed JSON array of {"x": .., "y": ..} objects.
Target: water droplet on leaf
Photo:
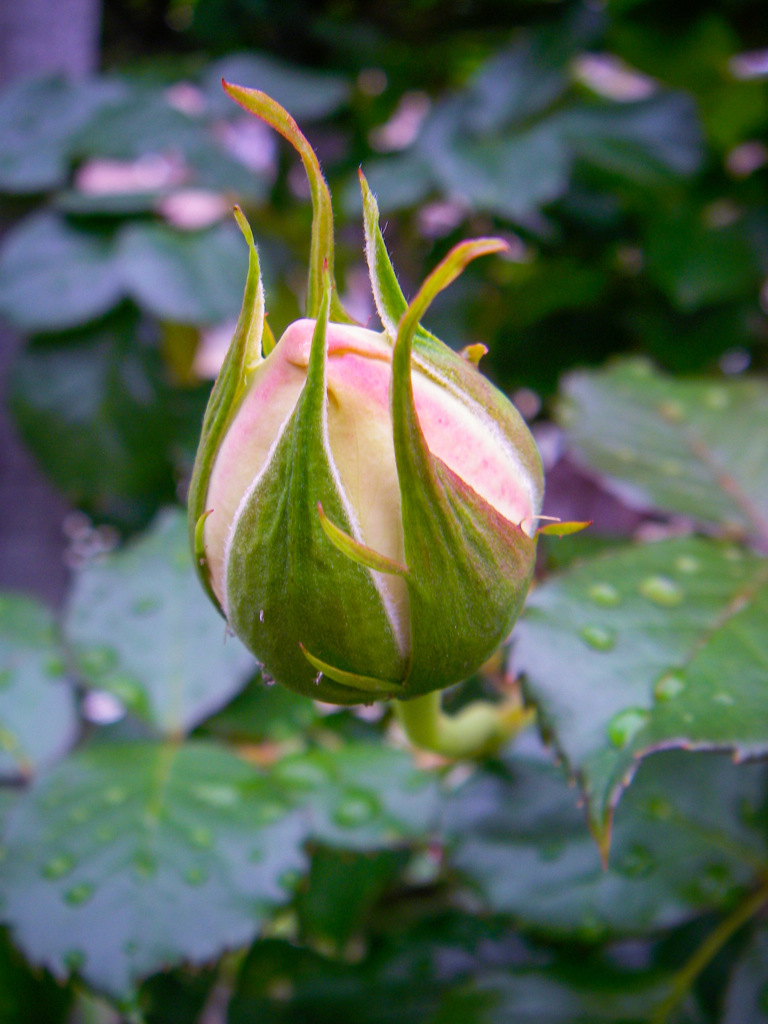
[
  {"x": 662, "y": 590},
  {"x": 79, "y": 894},
  {"x": 196, "y": 876},
  {"x": 59, "y": 866},
  {"x": 598, "y": 638},
  {"x": 687, "y": 564},
  {"x": 670, "y": 685},
  {"x": 605, "y": 594},
  {"x": 625, "y": 725},
  {"x": 354, "y": 809}
]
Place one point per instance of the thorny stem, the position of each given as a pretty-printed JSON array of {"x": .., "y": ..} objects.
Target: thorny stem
[
  {"x": 476, "y": 730},
  {"x": 707, "y": 951}
]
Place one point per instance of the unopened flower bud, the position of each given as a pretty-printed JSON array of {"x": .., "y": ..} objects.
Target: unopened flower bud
[{"x": 364, "y": 504}]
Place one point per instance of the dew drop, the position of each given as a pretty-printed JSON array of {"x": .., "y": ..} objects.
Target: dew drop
[
  {"x": 55, "y": 667},
  {"x": 598, "y": 638},
  {"x": 115, "y": 795},
  {"x": 670, "y": 685},
  {"x": 256, "y": 856},
  {"x": 218, "y": 795},
  {"x": 201, "y": 837},
  {"x": 354, "y": 809},
  {"x": 723, "y": 698},
  {"x": 670, "y": 467},
  {"x": 302, "y": 773},
  {"x": 605, "y": 594},
  {"x": 318, "y": 677},
  {"x": 625, "y": 725},
  {"x": 687, "y": 564},
  {"x": 105, "y": 833},
  {"x": 79, "y": 894},
  {"x": 261, "y": 615},
  {"x": 638, "y": 862},
  {"x": 59, "y": 866},
  {"x": 79, "y": 815},
  {"x": 6, "y": 678},
  {"x": 662, "y": 590},
  {"x": 195, "y": 876}
]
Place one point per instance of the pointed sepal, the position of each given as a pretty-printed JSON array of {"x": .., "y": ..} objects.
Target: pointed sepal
[
  {"x": 242, "y": 358},
  {"x": 322, "y": 240},
  {"x": 288, "y": 588},
  {"x": 462, "y": 554}
]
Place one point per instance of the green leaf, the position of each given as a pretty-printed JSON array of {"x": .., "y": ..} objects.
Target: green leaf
[
  {"x": 39, "y": 118},
  {"x": 673, "y": 854},
  {"x": 140, "y": 626},
  {"x": 362, "y": 796},
  {"x": 183, "y": 277},
  {"x": 693, "y": 447},
  {"x": 342, "y": 889},
  {"x": 38, "y": 720},
  {"x": 448, "y": 969},
  {"x": 128, "y": 858},
  {"x": 263, "y": 713},
  {"x": 96, "y": 409},
  {"x": 655, "y": 646},
  {"x": 54, "y": 276},
  {"x": 27, "y": 995},
  {"x": 697, "y": 264}
]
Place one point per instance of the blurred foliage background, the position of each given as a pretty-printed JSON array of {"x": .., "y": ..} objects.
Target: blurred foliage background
[{"x": 622, "y": 150}]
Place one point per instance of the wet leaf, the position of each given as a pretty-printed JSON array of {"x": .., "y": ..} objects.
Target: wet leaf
[
  {"x": 361, "y": 796},
  {"x": 141, "y": 627},
  {"x": 518, "y": 835},
  {"x": 38, "y": 719},
  {"x": 659, "y": 645},
  {"x": 693, "y": 447},
  {"x": 126, "y": 859}
]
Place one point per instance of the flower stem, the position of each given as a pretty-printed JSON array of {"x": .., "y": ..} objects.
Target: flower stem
[
  {"x": 478, "y": 729},
  {"x": 711, "y": 946}
]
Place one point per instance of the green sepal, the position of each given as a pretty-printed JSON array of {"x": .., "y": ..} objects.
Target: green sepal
[
  {"x": 560, "y": 529},
  {"x": 461, "y": 553},
  {"x": 434, "y": 358},
  {"x": 375, "y": 687},
  {"x": 322, "y": 244},
  {"x": 243, "y": 356},
  {"x": 358, "y": 552},
  {"x": 287, "y": 586}
]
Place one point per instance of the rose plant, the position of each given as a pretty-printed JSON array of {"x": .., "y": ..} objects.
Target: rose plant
[{"x": 364, "y": 503}]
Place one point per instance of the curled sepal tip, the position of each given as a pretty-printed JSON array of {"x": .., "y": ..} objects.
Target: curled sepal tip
[{"x": 322, "y": 240}]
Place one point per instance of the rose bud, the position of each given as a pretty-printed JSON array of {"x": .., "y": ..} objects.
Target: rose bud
[{"x": 364, "y": 503}]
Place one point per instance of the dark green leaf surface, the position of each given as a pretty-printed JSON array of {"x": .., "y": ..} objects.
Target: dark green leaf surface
[
  {"x": 128, "y": 858},
  {"x": 451, "y": 969},
  {"x": 27, "y": 995},
  {"x": 747, "y": 994},
  {"x": 141, "y": 627},
  {"x": 519, "y": 836},
  {"x": 694, "y": 447},
  {"x": 659, "y": 645},
  {"x": 362, "y": 795},
  {"x": 38, "y": 721},
  {"x": 96, "y": 410}
]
